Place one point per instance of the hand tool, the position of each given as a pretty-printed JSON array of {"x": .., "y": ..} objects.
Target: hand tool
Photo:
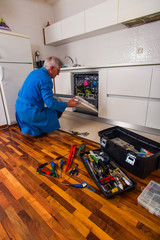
[
  {"x": 125, "y": 178},
  {"x": 71, "y": 156},
  {"x": 106, "y": 180},
  {"x": 77, "y": 133},
  {"x": 81, "y": 185},
  {"x": 54, "y": 169},
  {"x": 74, "y": 170},
  {"x": 43, "y": 172},
  {"x": 61, "y": 165},
  {"x": 83, "y": 145}
]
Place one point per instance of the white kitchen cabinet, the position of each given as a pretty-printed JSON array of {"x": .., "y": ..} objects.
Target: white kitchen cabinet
[
  {"x": 124, "y": 93},
  {"x": 73, "y": 26},
  {"x": 63, "y": 83},
  {"x": 101, "y": 15},
  {"x": 14, "y": 48},
  {"x": 153, "y": 114},
  {"x": 131, "y": 9},
  {"x": 128, "y": 110},
  {"x": 53, "y": 33},
  {"x": 155, "y": 85},
  {"x": 100, "y": 19},
  {"x": 2, "y": 113},
  {"x": 129, "y": 81}
]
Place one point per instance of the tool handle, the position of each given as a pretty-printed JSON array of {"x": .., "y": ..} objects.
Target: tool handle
[
  {"x": 69, "y": 158},
  {"x": 43, "y": 171},
  {"x": 81, "y": 185},
  {"x": 73, "y": 153},
  {"x": 52, "y": 164},
  {"x": 61, "y": 164},
  {"x": 43, "y": 165}
]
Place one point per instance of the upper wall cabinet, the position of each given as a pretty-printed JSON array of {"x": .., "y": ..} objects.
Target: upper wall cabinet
[
  {"x": 73, "y": 26},
  {"x": 53, "y": 33},
  {"x": 131, "y": 9},
  {"x": 102, "y": 15},
  {"x": 99, "y": 19}
]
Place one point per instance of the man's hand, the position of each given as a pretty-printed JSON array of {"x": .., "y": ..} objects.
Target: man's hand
[{"x": 73, "y": 102}]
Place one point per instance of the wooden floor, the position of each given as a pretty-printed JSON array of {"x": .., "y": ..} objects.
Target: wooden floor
[{"x": 33, "y": 206}]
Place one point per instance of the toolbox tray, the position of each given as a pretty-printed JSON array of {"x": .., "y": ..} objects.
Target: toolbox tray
[
  {"x": 95, "y": 179},
  {"x": 129, "y": 159}
]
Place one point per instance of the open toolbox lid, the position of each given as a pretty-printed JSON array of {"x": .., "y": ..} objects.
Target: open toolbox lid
[{"x": 85, "y": 105}]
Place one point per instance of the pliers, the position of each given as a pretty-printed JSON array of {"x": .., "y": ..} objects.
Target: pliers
[{"x": 74, "y": 170}]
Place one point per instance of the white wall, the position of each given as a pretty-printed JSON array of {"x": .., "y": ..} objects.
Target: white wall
[
  {"x": 28, "y": 17},
  {"x": 117, "y": 47}
]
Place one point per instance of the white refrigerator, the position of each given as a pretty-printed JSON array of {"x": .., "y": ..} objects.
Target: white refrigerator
[{"x": 15, "y": 64}]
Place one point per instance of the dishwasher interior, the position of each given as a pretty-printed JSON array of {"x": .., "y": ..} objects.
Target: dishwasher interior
[{"x": 85, "y": 86}]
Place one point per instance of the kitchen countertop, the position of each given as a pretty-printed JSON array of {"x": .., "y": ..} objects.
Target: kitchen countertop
[{"x": 109, "y": 66}]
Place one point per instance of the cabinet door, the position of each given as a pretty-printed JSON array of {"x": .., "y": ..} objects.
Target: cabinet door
[
  {"x": 101, "y": 15},
  {"x": 12, "y": 79},
  {"x": 2, "y": 113},
  {"x": 130, "y": 9},
  {"x": 53, "y": 33},
  {"x": 63, "y": 83},
  {"x": 15, "y": 48},
  {"x": 129, "y": 81},
  {"x": 73, "y": 26},
  {"x": 126, "y": 110},
  {"x": 153, "y": 115},
  {"x": 155, "y": 85}
]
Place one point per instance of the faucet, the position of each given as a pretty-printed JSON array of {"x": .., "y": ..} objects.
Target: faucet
[
  {"x": 70, "y": 59},
  {"x": 73, "y": 65}
]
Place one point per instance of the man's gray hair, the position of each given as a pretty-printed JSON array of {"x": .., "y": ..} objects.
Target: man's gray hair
[{"x": 52, "y": 61}]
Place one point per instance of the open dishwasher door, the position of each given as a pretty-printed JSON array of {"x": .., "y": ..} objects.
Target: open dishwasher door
[{"x": 85, "y": 107}]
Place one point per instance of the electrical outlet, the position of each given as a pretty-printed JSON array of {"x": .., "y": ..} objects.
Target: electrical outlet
[{"x": 139, "y": 50}]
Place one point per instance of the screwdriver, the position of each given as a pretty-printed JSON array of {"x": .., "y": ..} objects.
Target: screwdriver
[
  {"x": 61, "y": 165},
  {"x": 53, "y": 169}
]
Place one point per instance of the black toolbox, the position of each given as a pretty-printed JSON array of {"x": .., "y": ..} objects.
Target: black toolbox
[
  {"x": 137, "y": 154},
  {"x": 106, "y": 173}
]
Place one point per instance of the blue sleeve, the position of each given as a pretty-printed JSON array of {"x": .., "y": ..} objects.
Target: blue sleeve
[{"x": 49, "y": 100}]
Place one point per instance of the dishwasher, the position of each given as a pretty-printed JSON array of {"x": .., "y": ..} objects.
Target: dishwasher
[{"x": 84, "y": 87}]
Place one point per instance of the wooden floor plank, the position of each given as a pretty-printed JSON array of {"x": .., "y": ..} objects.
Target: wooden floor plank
[{"x": 33, "y": 206}]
